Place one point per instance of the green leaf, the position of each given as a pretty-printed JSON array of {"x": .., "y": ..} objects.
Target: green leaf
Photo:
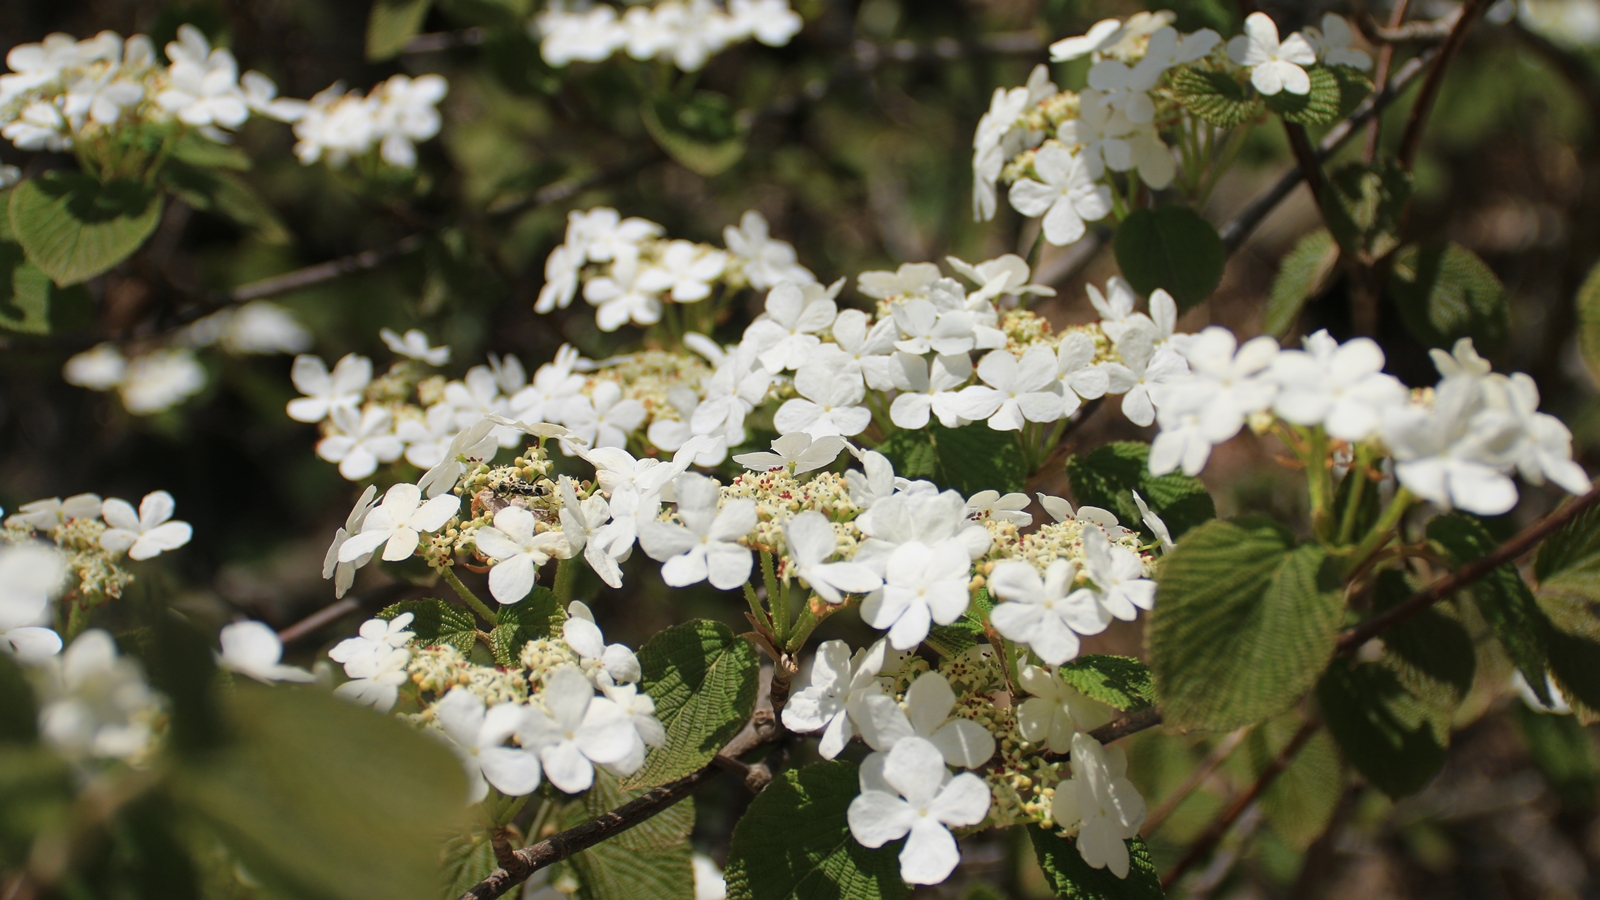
[
  {"x": 1588, "y": 303},
  {"x": 437, "y": 623},
  {"x": 1569, "y": 560},
  {"x": 1118, "y": 681},
  {"x": 1107, "y": 477},
  {"x": 227, "y": 195},
  {"x": 1301, "y": 800},
  {"x": 1173, "y": 248},
  {"x": 966, "y": 631},
  {"x": 701, "y": 133},
  {"x": 969, "y": 459},
  {"x": 197, "y": 150},
  {"x": 1572, "y": 635},
  {"x": 320, "y": 798},
  {"x": 1445, "y": 292},
  {"x": 468, "y": 859},
  {"x": 392, "y": 24},
  {"x": 36, "y": 796},
  {"x": 1303, "y": 274},
  {"x": 1372, "y": 198},
  {"x": 19, "y": 715},
  {"x": 1216, "y": 97},
  {"x": 794, "y": 843},
  {"x": 1244, "y": 623},
  {"x": 703, "y": 679},
  {"x": 1074, "y": 879},
  {"x": 1392, "y": 737},
  {"x": 1565, "y": 753},
  {"x": 1432, "y": 654},
  {"x": 30, "y": 303},
  {"x": 74, "y": 228},
  {"x": 537, "y": 616},
  {"x": 650, "y": 859},
  {"x": 1318, "y": 107}
]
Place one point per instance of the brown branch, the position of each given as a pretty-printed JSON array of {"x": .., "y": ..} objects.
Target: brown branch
[
  {"x": 1412, "y": 139},
  {"x": 1428, "y": 31},
  {"x": 1380, "y": 77},
  {"x": 1213, "y": 761},
  {"x": 1132, "y": 723},
  {"x": 1523, "y": 542},
  {"x": 318, "y": 619},
  {"x": 1219, "y": 827}
]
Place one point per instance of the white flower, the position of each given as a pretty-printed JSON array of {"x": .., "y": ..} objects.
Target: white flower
[
  {"x": 39, "y": 127},
  {"x": 573, "y": 731},
  {"x": 1115, "y": 307},
  {"x": 29, "y": 574},
  {"x": 160, "y": 380},
  {"x": 1166, "y": 48},
  {"x": 811, "y": 541},
  {"x": 613, "y": 542},
  {"x": 477, "y": 396},
  {"x": 398, "y": 522},
  {"x": 928, "y": 387},
  {"x": 428, "y": 439},
  {"x": 1099, "y": 803},
  {"x": 1056, "y": 712},
  {"x": 478, "y": 737},
  {"x": 1101, "y": 35},
  {"x": 1544, "y": 447},
  {"x": 924, "y": 328},
  {"x": 1154, "y": 523},
  {"x": 604, "y": 418},
  {"x": 1454, "y": 453},
  {"x": 705, "y": 547},
  {"x": 1001, "y": 508},
  {"x": 323, "y": 391},
  {"x": 826, "y": 405},
  {"x": 708, "y": 881},
  {"x": 376, "y": 639},
  {"x": 590, "y": 36},
  {"x": 829, "y": 689},
  {"x": 686, "y": 270},
  {"x": 1144, "y": 370},
  {"x": 1080, "y": 379},
  {"x": 1122, "y": 88},
  {"x": 1182, "y": 442},
  {"x": 602, "y": 235},
  {"x": 640, "y": 709},
  {"x": 406, "y": 112},
  {"x": 48, "y": 515},
  {"x": 475, "y": 442},
  {"x": 1066, "y": 196},
  {"x": 360, "y": 442},
  {"x": 922, "y": 516},
  {"x": 414, "y": 345},
  {"x": 98, "y": 703},
  {"x": 1016, "y": 391},
  {"x": 1332, "y": 43},
  {"x": 561, "y": 269},
  {"x": 933, "y": 803},
  {"x": 786, "y": 334},
  {"x": 607, "y": 664},
  {"x": 375, "y": 680},
  {"x": 203, "y": 83},
  {"x": 773, "y": 23},
  {"x": 1273, "y": 66},
  {"x": 860, "y": 342},
  {"x": 256, "y": 327},
  {"x": 873, "y": 482},
  {"x": 621, "y": 296},
  {"x": 910, "y": 280},
  {"x": 616, "y": 467},
  {"x": 336, "y": 124},
  {"x": 253, "y": 649},
  {"x": 926, "y": 714},
  {"x": 261, "y": 95},
  {"x": 798, "y": 452},
  {"x": 1224, "y": 386},
  {"x": 923, "y": 585},
  {"x": 1046, "y": 614},
  {"x": 1118, "y": 574},
  {"x": 147, "y": 534},
  {"x": 1341, "y": 387},
  {"x": 517, "y": 552},
  {"x": 765, "y": 262},
  {"x": 99, "y": 369}
]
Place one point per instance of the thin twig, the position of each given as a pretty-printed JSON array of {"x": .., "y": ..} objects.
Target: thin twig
[
  {"x": 1430, "y": 31},
  {"x": 1523, "y": 542},
  {"x": 1380, "y": 77},
  {"x": 1412, "y": 139},
  {"x": 1213, "y": 761},
  {"x": 318, "y": 619},
  {"x": 1132, "y": 723},
  {"x": 869, "y": 54}
]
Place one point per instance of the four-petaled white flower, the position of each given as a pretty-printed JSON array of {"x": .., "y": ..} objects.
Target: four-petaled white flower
[
  {"x": 605, "y": 418},
  {"x": 826, "y": 405},
  {"x": 398, "y": 522},
  {"x": 786, "y": 334},
  {"x": 478, "y": 737},
  {"x": 1118, "y": 575},
  {"x": 622, "y": 297},
  {"x": 29, "y": 574},
  {"x": 928, "y": 388},
  {"x": 48, "y": 515},
  {"x": 914, "y": 797},
  {"x": 1274, "y": 66},
  {"x": 360, "y": 441},
  {"x": 1066, "y": 195},
  {"x": 375, "y": 680},
  {"x": 925, "y": 713},
  {"x": 1144, "y": 369},
  {"x": 148, "y": 533},
  {"x": 607, "y": 664},
  {"x": 1340, "y": 387},
  {"x": 517, "y": 551},
  {"x": 1014, "y": 391},
  {"x": 1009, "y": 508},
  {"x": 799, "y": 452},
  {"x": 414, "y": 345},
  {"x": 253, "y": 649},
  {"x": 1332, "y": 43},
  {"x": 812, "y": 541},
  {"x": 1226, "y": 384},
  {"x": 922, "y": 585},
  {"x": 1047, "y": 614},
  {"x": 830, "y": 689},
  {"x": 574, "y": 730},
  {"x": 766, "y": 262},
  {"x": 705, "y": 547},
  {"x": 685, "y": 270},
  {"x": 97, "y": 702},
  {"x": 1056, "y": 712},
  {"x": 374, "y": 639},
  {"x": 325, "y": 392},
  {"x": 1100, "y": 804}
]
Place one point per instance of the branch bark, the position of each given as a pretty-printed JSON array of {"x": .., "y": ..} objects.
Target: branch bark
[{"x": 1412, "y": 139}]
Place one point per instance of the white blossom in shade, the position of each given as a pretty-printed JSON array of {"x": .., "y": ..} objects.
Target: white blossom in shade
[
  {"x": 1010, "y": 507},
  {"x": 160, "y": 380},
  {"x": 829, "y": 688},
  {"x": 602, "y": 235},
  {"x": 859, "y": 341},
  {"x": 1332, "y": 43},
  {"x": 1154, "y": 523},
  {"x": 1066, "y": 194},
  {"x": 1166, "y": 48},
  {"x": 922, "y": 585},
  {"x": 99, "y": 369},
  {"x": 398, "y": 522},
  {"x": 588, "y": 36},
  {"x": 1100, "y": 803},
  {"x": 29, "y": 574},
  {"x": 1274, "y": 66},
  {"x": 1099, "y": 37},
  {"x": 48, "y": 515},
  {"x": 406, "y": 112},
  {"x": 97, "y": 702},
  {"x": 1080, "y": 379},
  {"x": 1543, "y": 447},
  {"x": 771, "y": 22},
  {"x": 811, "y": 542},
  {"x": 203, "y": 84},
  {"x": 574, "y": 730},
  {"x": 1339, "y": 386},
  {"x": 375, "y": 680},
  {"x": 607, "y": 664},
  {"x": 917, "y": 799},
  {"x": 1124, "y": 89},
  {"x": 1014, "y": 390},
  {"x": 147, "y": 533},
  {"x": 1047, "y": 614},
  {"x": 517, "y": 552},
  {"x": 1055, "y": 712},
  {"x": 620, "y": 296},
  {"x": 554, "y": 383},
  {"x": 253, "y": 649},
  {"x": 786, "y": 334},
  {"x": 1144, "y": 370},
  {"x": 40, "y": 126},
  {"x": 1182, "y": 442},
  {"x": 336, "y": 125},
  {"x": 1227, "y": 383},
  {"x": 925, "y": 329},
  {"x": 685, "y": 271},
  {"x": 323, "y": 391},
  {"x": 561, "y": 270},
  {"x": 478, "y": 736},
  {"x": 1118, "y": 574},
  {"x": 873, "y": 482},
  {"x": 477, "y": 396},
  {"x": 909, "y": 280},
  {"x": 827, "y": 404},
  {"x": 641, "y": 710},
  {"x": 798, "y": 452},
  {"x": 708, "y": 881},
  {"x": 928, "y": 387},
  {"x": 475, "y": 442},
  {"x": 925, "y": 713},
  {"x": 261, "y": 95},
  {"x": 1115, "y": 307},
  {"x": 257, "y": 327},
  {"x": 428, "y": 439},
  {"x": 605, "y": 418},
  {"x": 705, "y": 547},
  {"x": 374, "y": 640},
  {"x": 1454, "y": 453},
  {"x": 765, "y": 262},
  {"x": 414, "y": 345},
  {"x": 359, "y": 442}
]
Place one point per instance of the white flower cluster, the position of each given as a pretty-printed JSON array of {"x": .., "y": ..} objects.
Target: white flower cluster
[
  {"x": 338, "y": 125},
  {"x": 685, "y": 32},
  {"x": 159, "y": 379}
]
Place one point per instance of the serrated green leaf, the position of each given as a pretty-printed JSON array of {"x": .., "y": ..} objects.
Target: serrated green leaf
[
  {"x": 1396, "y": 740},
  {"x": 437, "y": 623},
  {"x": 969, "y": 459},
  {"x": 1303, "y": 274},
  {"x": 1565, "y": 753},
  {"x": 1074, "y": 879},
  {"x": 1216, "y": 97},
  {"x": 1317, "y": 107},
  {"x": 966, "y": 631},
  {"x": 1172, "y": 248},
  {"x": 468, "y": 859},
  {"x": 74, "y": 228},
  {"x": 1572, "y": 635},
  {"x": 392, "y": 24},
  {"x": 1244, "y": 623},
  {"x": 539, "y": 615},
  {"x": 1301, "y": 800},
  {"x": 1569, "y": 560},
  {"x": 1118, "y": 681},
  {"x": 794, "y": 843},
  {"x": 650, "y": 859},
  {"x": 1445, "y": 292},
  {"x": 1354, "y": 87},
  {"x": 703, "y": 679},
  {"x": 701, "y": 133},
  {"x": 1107, "y": 477},
  {"x": 1588, "y": 303},
  {"x": 1432, "y": 654}
]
